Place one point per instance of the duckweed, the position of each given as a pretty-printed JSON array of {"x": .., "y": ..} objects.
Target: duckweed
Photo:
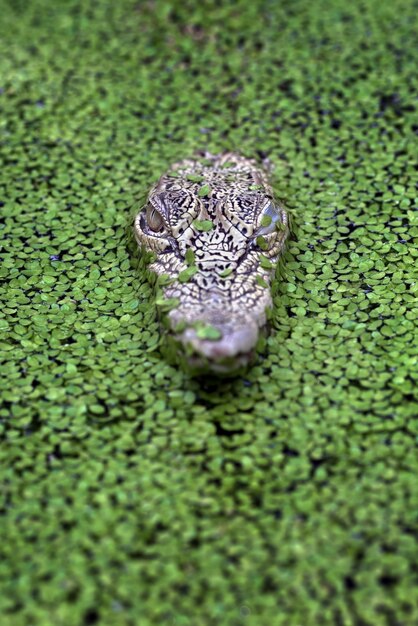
[{"x": 132, "y": 494}]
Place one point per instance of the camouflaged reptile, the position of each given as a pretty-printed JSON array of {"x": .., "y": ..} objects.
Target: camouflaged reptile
[{"x": 216, "y": 233}]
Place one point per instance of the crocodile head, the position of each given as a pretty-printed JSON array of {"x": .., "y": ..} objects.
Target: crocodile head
[{"x": 216, "y": 232}]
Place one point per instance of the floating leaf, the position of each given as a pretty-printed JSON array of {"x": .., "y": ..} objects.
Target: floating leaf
[
  {"x": 190, "y": 256},
  {"x": 265, "y": 262},
  {"x": 260, "y": 281},
  {"x": 208, "y": 332},
  {"x": 167, "y": 304},
  {"x": 164, "y": 279},
  {"x": 203, "y": 225},
  {"x": 180, "y": 327},
  {"x": 187, "y": 274},
  {"x": 261, "y": 242},
  {"x": 195, "y": 178},
  {"x": 266, "y": 220},
  {"x": 204, "y": 191}
]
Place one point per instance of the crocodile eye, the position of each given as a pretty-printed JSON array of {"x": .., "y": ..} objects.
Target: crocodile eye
[
  {"x": 154, "y": 219},
  {"x": 268, "y": 220}
]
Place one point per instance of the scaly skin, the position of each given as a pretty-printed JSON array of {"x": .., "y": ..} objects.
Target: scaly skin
[{"x": 219, "y": 278}]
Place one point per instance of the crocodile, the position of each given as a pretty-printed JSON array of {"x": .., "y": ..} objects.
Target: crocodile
[{"x": 214, "y": 233}]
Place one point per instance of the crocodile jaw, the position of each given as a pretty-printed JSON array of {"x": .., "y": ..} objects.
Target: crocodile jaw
[
  {"x": 240, "y": 342},
  {"x": 236, "y": 335},
  {"x": 232, "y": 352}
]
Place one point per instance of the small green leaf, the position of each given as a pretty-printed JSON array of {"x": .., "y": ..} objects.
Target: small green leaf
[
  {"x": 281, "y": 226},
  {"x": 203, "y": 225},
  {"x": 97, "y": 409},
  {"x": 164, "y": 279},
  {"x": 260, "y": 281},
  {"x": 149, "y": 256},
  {"x": 204, "y": 191},
  {"x": 167, "y": 304},
  {"x": 209, "y": 332},
  {"x": 255, "y": 187},
  {"x": 195, "y": 178},
  {"x": 265, "y": 263},
  {"x": 261, "y": 242},
  {"x": 186, "y": 275},
  {"x": 190, "y": 256},
  {"x": 180, "y": 326},
  {"x": 266, "y": 220},
  {"x": 101, "y": 292},
  {"x": 226, "y": 272}
]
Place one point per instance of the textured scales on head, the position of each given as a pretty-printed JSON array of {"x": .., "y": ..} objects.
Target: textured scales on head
[{"x": 217, "y": 232}]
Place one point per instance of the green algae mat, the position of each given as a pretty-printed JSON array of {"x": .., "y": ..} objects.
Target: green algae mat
[{"x": 132, "y": 495}]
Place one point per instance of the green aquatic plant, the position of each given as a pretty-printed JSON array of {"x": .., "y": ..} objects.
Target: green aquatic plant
[{"x": 130, "y": 493}]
